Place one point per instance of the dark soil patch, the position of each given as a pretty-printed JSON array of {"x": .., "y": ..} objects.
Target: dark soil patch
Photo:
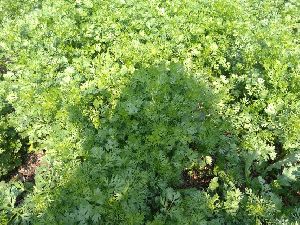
[
  {"x": 26, "y": 171},
  {"x": 197, "y": 178},
  {"x": 278, "y": 149},
  {"x": 3, "y": 68}
]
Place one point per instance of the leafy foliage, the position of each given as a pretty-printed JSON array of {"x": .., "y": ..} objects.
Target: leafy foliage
[
  {"x": 161, "y": 112},
  {"x": 11, "y": 148}
]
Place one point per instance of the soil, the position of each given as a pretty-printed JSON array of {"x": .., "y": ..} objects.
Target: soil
[
  {"x": 26, "y": 171},
  {"x": 194, "y": 178},
  {"x": 3, "y": 68}
]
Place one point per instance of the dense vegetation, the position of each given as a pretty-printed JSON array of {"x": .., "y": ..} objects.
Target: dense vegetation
[{"x": 150, "y": 112}]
